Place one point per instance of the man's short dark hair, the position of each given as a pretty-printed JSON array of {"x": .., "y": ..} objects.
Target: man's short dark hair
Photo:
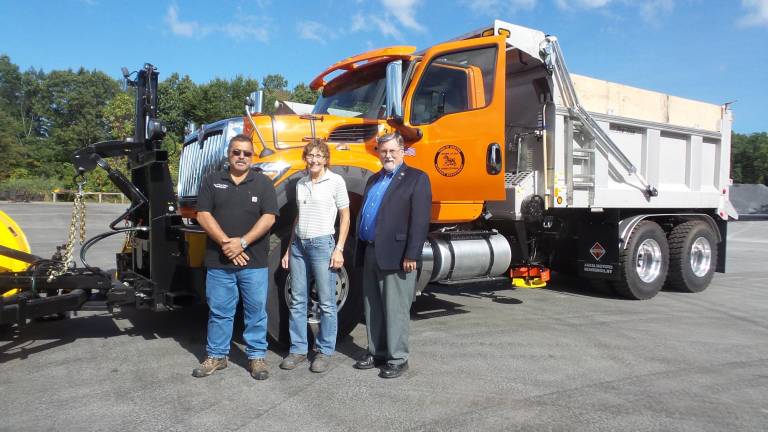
[
  {"x": 239, "y": 138},
  {"x": 391, "y": 136}
]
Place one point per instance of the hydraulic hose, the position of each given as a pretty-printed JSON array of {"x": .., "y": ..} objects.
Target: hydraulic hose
[{"x": 97, "y": 238}]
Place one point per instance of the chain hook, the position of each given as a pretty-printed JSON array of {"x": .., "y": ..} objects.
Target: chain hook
[{"x": 79, "y": 180}]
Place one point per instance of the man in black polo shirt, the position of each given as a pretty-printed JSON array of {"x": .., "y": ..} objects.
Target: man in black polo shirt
[{"x": 236, "y": 208}]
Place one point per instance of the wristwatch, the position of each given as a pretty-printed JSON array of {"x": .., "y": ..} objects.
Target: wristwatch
[{"x": 243, "y": 243}]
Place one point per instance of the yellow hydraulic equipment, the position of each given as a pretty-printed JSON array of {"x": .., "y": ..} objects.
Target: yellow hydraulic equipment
[
  {"x": 12, "y": 237},
  {"x": 530, "y": 276}
]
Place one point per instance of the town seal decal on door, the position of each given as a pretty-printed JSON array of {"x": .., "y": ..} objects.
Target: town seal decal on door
[{"x": 449, "y": 160}]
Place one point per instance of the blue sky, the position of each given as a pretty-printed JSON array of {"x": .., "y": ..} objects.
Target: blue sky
[{"x": 710, "y": 50}]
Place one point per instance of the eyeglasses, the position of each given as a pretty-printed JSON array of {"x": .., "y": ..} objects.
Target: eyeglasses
[
  {"x": 317, "y": 157},
  {"x": 390, "y": 152},
  {"x": 236, "y": 152}
]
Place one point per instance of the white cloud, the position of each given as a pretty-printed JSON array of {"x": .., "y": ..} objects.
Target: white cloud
[
  {"x": 313, "y": 30},
  {"x": 650, "y": 10},
  {"x": 243, "y": 27},
  {"x": 404, "y": 11},
  {"x": 496, "y": 8},
  {"x": 370, "y": 22},
  {"x": 386, "y": 28},
  {"x": 180, "y": 28},
  {"x": 585, "y": 4},
  {"x": 397, "y": 16},
  {"x": 358, "y": 23},
  {"x": 248, "y": 29},
  {"x": 757, "y": 13}
]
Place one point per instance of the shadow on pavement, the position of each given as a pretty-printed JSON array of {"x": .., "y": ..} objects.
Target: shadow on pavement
[
  {"x": 571, "y": 284},
  {"x": 186, "y": 326}
]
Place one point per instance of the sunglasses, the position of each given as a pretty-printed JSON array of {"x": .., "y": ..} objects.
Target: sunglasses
[{"x": 237, "y": 152}]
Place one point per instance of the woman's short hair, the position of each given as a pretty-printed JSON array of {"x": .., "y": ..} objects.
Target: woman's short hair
[{"x": 321, "y": 146}]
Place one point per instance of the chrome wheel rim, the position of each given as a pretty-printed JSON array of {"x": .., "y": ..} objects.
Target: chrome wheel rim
[
  {"x": 701, "y": 256},
  {"x": 648, "y": 260},
  {"x": 313, "y": 305}
]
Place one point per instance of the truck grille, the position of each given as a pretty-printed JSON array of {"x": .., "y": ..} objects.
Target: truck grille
[
  {"x": 198, "y": 159},
  {"x": 353, "y": 133}
]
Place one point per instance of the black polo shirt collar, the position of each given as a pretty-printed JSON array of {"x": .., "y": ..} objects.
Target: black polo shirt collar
[{"x": 225, "y": 175}]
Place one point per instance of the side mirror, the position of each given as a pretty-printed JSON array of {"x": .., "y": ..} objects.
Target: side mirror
[
  {"x": 254, "y": 102},
  {"x": 394, "y": 107}
]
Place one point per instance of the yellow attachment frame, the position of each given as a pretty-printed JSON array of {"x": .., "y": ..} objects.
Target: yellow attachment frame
[{"x": 11, "y": 236}]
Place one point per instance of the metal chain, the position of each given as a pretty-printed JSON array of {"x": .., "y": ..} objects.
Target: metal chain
[
  {"x": 76, "y": 224},
  {"x": 81, "y": 214}
]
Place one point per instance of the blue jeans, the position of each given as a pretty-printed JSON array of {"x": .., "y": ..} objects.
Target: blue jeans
[
  {"x": 223, "y": 287},
  {"x": 312, "y": 258}
]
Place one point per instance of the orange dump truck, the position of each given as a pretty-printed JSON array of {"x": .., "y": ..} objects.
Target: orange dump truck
[{"x": 531, "y": 167}]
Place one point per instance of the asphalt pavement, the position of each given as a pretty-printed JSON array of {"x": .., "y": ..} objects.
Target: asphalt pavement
[{"x": 565, "y": 358}]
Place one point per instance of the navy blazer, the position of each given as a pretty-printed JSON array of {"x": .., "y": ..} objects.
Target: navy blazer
[{"x": 402, "y": 223}]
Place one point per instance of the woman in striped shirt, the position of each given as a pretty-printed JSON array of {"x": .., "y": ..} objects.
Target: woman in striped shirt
[{"x": 313, "y": 252}]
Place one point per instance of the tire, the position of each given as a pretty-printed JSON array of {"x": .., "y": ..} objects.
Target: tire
[
  {"x": 692, "y": 257},
  {"x": 349, "y": 296},
  {"x": 643, "y": 263}
]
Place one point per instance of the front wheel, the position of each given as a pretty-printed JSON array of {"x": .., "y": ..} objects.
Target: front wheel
[{"x": 349, "y": 299}]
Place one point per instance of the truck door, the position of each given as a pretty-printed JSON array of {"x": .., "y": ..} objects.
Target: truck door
[{"x": 457, "y": 100}]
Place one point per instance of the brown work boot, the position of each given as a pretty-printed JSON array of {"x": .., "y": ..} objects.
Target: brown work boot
[
  {"x": 209, "y": 366},
  {"x": 258, "y": 367}
]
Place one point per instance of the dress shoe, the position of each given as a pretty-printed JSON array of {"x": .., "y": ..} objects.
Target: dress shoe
[
  {"x": 369, "y": 362},
  {"x": 393, "y": 370}
]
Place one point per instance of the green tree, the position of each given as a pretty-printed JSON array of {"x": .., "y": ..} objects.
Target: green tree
[
  {"x": 119, "y": 115},
  {"x": 19, "y": 115},
  {"x": 304, "y": 94},
  {"x": 749, "y": 158},
  {"x": 176, "y": 103},
  {"x": 275, "y": 88}
]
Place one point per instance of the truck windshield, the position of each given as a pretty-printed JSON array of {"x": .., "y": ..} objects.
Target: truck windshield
[{"x": 357, "y": 93}]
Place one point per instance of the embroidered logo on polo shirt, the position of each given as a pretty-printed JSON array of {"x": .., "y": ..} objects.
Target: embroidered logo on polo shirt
[
  {"x": 254, "y": 199},
  {"x": 220, "y": 185}
]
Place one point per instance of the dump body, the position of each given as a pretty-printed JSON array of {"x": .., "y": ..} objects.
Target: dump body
[{"x": 680, "y": 146}]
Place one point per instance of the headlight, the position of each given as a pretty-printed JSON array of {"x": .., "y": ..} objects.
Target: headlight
[{"x": 273, "y": 170}]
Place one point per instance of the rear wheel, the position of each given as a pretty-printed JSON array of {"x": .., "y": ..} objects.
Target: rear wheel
[
  {"x": 349, "y": 301},
  {"x": 692, "y": 257},
  {"x": 644, "y": 262}
]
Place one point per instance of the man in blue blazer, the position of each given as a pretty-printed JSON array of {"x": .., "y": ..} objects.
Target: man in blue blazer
[{"x": 392, "y": 228}]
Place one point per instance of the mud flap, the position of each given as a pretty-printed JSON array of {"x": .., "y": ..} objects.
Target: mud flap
[{"x": 598, "y": 256}]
